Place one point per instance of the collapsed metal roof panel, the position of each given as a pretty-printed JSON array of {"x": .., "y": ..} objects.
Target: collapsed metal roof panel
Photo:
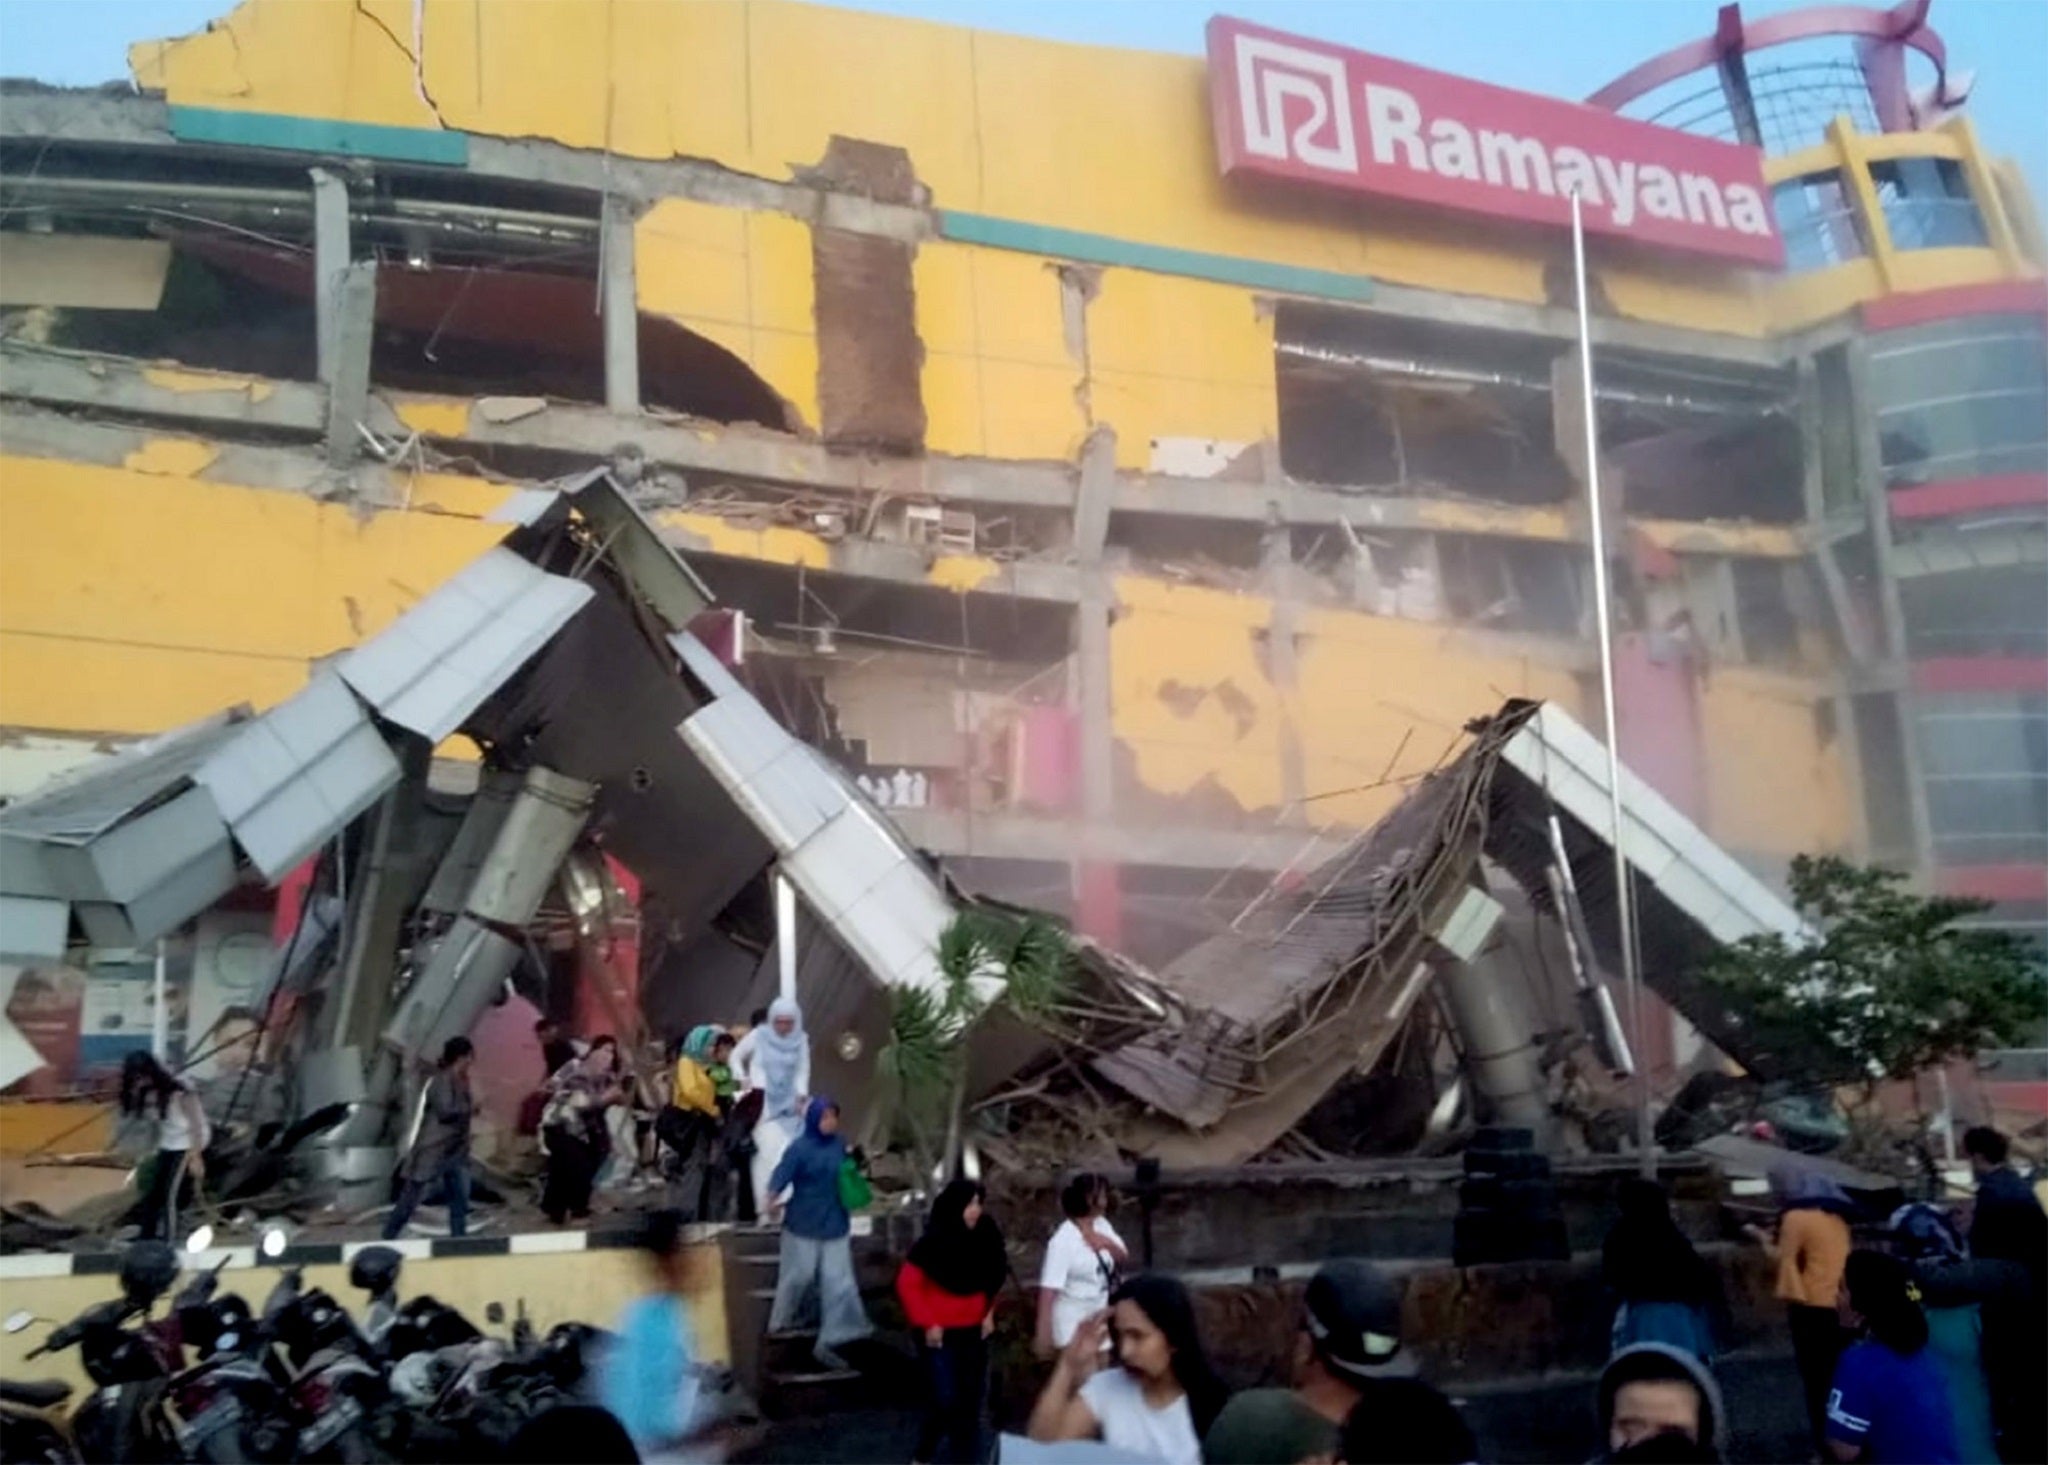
[
  {"x": 32, "y": 930},
  {"x": 433, "y": 666},
  {"x": 1555, "y": 752},
  {"x": 844, "y": 858},
  {"x": 79, "y": 806},
  {"x": 293, "y": 779}
]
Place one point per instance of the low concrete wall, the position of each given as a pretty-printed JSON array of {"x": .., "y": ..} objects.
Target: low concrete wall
[
  {"x": 1291, "y": 1215},
  {"x": 590, "y": 1286}
]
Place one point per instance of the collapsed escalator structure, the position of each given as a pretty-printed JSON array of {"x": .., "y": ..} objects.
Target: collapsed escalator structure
[
  {"x": 1415, "y": 928},
  {"x": 591, "y": 671},
  {"x": 578, "y": 658}
]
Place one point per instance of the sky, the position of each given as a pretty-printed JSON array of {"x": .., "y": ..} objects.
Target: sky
[{"x": 1565, "y": 48}]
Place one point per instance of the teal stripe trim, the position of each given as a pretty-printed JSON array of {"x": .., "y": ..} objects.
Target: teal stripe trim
[
  {"x": 1102, "y": 249},
  {"x": 319, "y": 135}
]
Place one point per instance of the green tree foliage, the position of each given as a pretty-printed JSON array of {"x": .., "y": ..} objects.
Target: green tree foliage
[
  {"x": 926, "y": 1055},
  {"x": 1885, "y": 984}
]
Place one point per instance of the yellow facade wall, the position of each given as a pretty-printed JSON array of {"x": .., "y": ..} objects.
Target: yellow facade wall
[
  {"x": 1378, "y": 702},
  {"x": 1381, "y": 702},
  {"x": 1777, "y": 781},
  {"x": 1190, "y": 697},
  {"x": 1108, "y": 142},
  {"x": 132, "y": 600},
  {"x": 1001, "y": 379},
  {"x": 741, "y": 278},
  {"x": 1174, "y": 357}
]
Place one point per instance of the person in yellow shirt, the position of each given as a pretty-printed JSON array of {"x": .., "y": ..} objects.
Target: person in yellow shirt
[
  {"x": 1811, "y": 1248},
  {"x": 689, "y": 1125}
]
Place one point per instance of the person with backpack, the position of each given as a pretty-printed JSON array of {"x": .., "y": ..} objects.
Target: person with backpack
[
  {"x": 1665, "y": 1292},
  {"x": 806, "y": 1191},
  {"x": 1952, "y": 1288}
]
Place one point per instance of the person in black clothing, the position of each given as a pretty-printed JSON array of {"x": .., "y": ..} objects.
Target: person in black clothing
[
  {"x": 555, "y": 1048},
  {"x": 1349, "y": 1339},
  {"x": 2010, "y": 1229},
  {"x": 1667, "y": 1293},
  {"x": 948, "y": 1286}
]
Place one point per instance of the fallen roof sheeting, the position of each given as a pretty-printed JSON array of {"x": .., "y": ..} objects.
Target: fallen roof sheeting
[
  {"x": 1312, "y": 984},
  {"x": 569, "y": 650}
]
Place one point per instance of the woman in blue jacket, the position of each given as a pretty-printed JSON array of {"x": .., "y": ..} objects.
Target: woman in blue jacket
[{"x": 817, "y": 1251}]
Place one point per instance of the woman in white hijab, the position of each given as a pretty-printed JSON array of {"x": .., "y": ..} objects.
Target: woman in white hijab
[{"x": 776, "y": 1058}]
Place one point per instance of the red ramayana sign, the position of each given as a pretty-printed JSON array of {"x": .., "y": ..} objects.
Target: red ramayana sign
[{"x": 1316, "y": 113}]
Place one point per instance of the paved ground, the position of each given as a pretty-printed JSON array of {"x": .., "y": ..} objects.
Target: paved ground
[{"x": 1536, "y": 1421}]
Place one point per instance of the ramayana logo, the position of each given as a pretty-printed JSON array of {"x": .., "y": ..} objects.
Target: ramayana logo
[
  {"x": 1302, "y": 110},
  {"x": 1446, "y": 146}
]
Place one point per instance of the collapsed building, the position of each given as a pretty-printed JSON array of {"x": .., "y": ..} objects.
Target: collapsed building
[
  {"x": 577, "y": 656},
  {"x": 1133, "y": 530}
]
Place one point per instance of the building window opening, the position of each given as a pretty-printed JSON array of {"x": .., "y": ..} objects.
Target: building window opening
[
  {"x": 527, "y": 330},
  {"x": 208, "y": 314},
  {"x": 1204, "y": 549},
  {"x": 1991, "y": 611},
  {"x": 1693, "y": 441},
  {"x": 1818, "y": 219},
  {"x": 1400, "y": 407},
  {"x": 1984, "y": 759},
  {"x": 1512, "y": 584},
  {"x": 1764, "y": 611},
  {"x": 1927, "y": 204}
]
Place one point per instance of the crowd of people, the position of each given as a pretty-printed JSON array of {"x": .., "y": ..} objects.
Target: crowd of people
[{"x": 1926, "y": 1346}]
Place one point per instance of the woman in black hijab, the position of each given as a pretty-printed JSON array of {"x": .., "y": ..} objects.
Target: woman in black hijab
[
  {"x": 1667, "y": 1291},
  {"x": 948, "y": 1285}
]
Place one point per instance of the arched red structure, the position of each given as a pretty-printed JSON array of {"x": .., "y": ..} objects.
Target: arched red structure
[{"x": 1882, "y": 39}]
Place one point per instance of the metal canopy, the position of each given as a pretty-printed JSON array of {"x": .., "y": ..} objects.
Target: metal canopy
[{"x": 435, "y": 665}]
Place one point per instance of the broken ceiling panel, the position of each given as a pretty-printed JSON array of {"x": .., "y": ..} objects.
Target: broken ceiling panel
[
  {"x": 435, "y": 665},
  {"x": 293, "y": 779}
]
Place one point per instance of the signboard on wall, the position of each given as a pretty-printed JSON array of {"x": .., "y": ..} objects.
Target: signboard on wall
[{"x": 1309, "y": 112}]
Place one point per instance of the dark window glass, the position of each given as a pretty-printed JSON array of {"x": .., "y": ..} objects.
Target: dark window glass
[
  {"x": 1818, "y": 221},
  {"x": 1927, "y": 204},
  {"x": 1961, "y": 399}
]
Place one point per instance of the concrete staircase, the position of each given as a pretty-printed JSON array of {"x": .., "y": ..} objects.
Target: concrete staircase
[{"x": 778, "y": 1368}]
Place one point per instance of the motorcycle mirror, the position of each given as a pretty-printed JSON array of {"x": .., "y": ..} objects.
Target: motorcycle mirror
[
  {"x": 18, "y": 1321},
  {"x": 199, "y": 1241},
  {"x": 274, "y": 1241}
]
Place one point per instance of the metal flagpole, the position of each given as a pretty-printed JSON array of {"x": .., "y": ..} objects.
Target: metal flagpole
[{"x": 1624, "y": 905}]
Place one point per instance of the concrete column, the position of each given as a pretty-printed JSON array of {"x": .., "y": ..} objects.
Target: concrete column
[
  {"x": 354, "y": 324},
  {"x": 1493, "y": 1022},
  {"x": 1096, "y": 900},
  {"x": 1283, "y": 661},
  {"x": 619, "y": 302},
  {"x": 1094, "y": 492},
  {"x": 1877, "y": 505},
  {"x": 332, "y": 255}
]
